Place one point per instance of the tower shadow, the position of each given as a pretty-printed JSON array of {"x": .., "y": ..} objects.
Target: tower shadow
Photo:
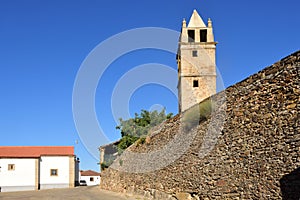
[{"x": 290, "y": 185}]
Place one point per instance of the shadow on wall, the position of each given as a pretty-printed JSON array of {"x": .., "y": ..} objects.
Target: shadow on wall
[{"x": 290, "y": 185}]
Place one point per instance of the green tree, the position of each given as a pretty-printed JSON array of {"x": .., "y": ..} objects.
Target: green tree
[{"x": 137, "y": 127}]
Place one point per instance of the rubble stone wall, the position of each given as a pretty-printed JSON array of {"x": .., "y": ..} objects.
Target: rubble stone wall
[{"x": 257, "y": 154}]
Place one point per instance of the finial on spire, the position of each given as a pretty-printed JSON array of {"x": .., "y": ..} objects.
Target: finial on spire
[
  {"x": 184, "y": 23},
  {"x": 209, "y": 24}
]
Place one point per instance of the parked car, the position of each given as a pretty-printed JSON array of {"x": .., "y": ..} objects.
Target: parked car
[{"x": 82, "y": 183}]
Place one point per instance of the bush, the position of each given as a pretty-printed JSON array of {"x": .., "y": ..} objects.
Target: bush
[
  {"x": 125, "y": 142},
  {"x": 138, "y": 127},
  {"x": 141, "y": 141}
]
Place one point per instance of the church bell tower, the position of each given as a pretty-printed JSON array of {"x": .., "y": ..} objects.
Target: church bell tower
[{"x": 196, "y": 61}]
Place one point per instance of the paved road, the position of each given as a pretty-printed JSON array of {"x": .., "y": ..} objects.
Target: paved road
[{"x": 78, "y": 193}]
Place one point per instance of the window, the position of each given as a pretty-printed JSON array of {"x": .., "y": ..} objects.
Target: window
[
  {"x": 53, "y": 172},
  {"x": 195, "y": 53},
  {"x": 203, "y": 35},
  {"x": 191, "y": 34},
  {"x": 11, "y": 167},
  {"x": 195, "y": 83},
  {"x": 92, "y": 179}
]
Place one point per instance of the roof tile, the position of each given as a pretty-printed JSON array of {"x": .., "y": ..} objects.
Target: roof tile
[
  {"x": 89, "y": 173},
  {"x": 35, "y": 151}
]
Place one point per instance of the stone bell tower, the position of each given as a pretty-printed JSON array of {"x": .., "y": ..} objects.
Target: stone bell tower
[{"x": 196, "y": 61}]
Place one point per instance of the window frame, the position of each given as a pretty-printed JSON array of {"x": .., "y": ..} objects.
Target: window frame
[
  {"x": 11, "y": 167},
  {"x": 56, "y": 174}
]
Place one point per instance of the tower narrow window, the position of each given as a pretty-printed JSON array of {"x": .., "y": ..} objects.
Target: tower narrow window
[
  {"x": 203, "y": 35},
  {"x": 191, "y": 34},
  {"x": 195, "y": 83},
  {"x": 195, "y": 53}
]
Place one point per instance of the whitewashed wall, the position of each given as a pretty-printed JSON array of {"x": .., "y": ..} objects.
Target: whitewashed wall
[
  {"x": 19, "y": 179},
  {"x": 88, "y": 182},
  {"x": 61, "y": 163}
]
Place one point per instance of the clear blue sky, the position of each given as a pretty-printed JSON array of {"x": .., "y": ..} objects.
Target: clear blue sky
[{"x": 43, "y": 44}]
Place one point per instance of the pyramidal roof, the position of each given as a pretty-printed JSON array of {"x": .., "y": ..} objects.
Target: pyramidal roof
[{"x": 196, "y": 20}]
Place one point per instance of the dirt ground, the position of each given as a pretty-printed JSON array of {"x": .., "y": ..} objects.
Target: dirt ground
[{"x": 78, "y": 193}]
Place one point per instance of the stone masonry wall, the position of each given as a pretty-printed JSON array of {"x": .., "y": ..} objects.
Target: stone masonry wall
[{"x": 257, "y": 154}]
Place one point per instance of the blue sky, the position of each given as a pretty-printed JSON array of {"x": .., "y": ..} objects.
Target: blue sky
[{"x": 43, "y": 44}]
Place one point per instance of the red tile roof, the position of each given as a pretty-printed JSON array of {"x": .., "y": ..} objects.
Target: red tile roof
[
  {"x": 89, "y": 173},
  {"x": 35, "y": 151}
]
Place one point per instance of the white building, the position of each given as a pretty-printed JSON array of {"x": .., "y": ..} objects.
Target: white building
[
  {"x": 34, "y": 168},
  {"x": 91, "y": 177}
]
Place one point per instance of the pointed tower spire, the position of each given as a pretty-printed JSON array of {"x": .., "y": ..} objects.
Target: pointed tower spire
[{"x": 196, "y": 20}]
